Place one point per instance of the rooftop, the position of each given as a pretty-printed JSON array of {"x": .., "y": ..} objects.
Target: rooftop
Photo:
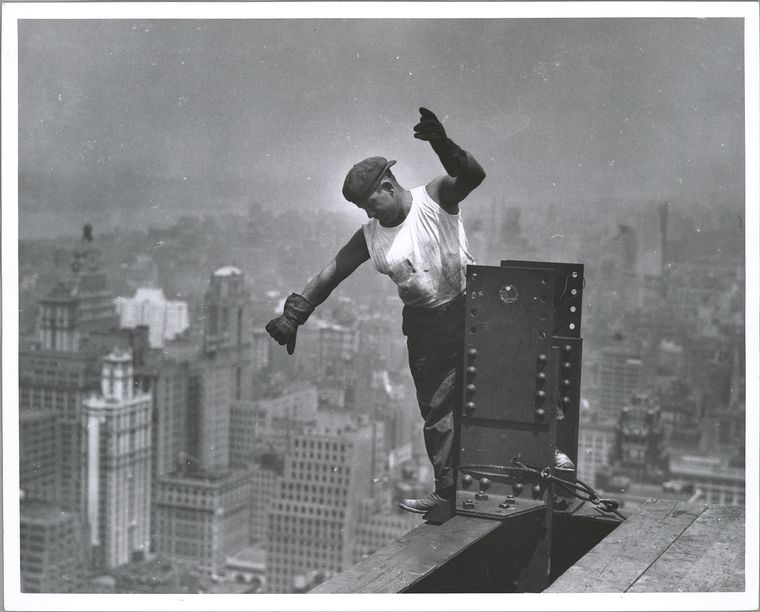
[{"x": 228, "y": 271}]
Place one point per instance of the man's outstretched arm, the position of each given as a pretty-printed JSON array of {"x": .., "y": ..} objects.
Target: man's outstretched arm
[
  {"x": 298, "y": 307},
  {"x": 464, "y": 172}
]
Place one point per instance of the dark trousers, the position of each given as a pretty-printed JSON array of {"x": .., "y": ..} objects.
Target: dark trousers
[{"x": 435, "y": 339}]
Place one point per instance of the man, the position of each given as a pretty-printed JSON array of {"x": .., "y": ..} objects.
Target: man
[{"x": 417, "y": 238}]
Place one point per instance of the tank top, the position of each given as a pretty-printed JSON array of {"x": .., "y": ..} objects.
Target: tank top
[{"x": 426, "y": 255}]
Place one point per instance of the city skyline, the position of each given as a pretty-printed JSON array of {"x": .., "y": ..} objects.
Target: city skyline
[
  {"x": 133, "y": 124},
  {"x": 126, "y": 118}
]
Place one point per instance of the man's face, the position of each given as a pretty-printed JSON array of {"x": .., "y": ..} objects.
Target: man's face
[{"x": 381, "y": 205}]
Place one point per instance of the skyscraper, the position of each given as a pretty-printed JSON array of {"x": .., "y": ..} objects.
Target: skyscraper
[
  {"x": 202, "y": 518},
  {"x": 57, "y": 371},
  {"x": 164, "y": 318},
  {"x": 116, "y": 471},
  {"x": 39, "y": 455},
  {"x": 202, "y": 506},
  {"x": 312, "y": 523},
  {"x": 52, "y": 549},
  {"x": 222, "y": 372},
  {"x": 619, "y": 379}
]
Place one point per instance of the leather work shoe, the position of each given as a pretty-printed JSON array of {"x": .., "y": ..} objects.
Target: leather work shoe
[{"x": 422, "y": 505}]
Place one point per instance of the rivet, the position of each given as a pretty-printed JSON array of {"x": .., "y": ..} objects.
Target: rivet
[
  {"x": 566, "y": 365},
  {"x": 567, "y": 348},
  {"x": 472, "y": 352},
  {"x": 467, "y": 480},
  {"x": 565, "y": 382},
  {"x": 469, "y": 407},
  {"x": 540, "y": 414},
  {"x": 541, "y": 377},
  {"x": 565, "y": 400},
  {"x": 540, "y": 395},
  {"x": 542, "y": 358},
  {"x": 471, "y": 388},
  {"x": 518, "y": 488},
  {"x": 485, "y": 483},
  {"x": 508, "y": 502},
  {"x": 536, "y": 490},
  {"x": 472, "y": 370}
]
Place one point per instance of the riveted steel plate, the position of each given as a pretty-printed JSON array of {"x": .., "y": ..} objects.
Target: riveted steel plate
[
  {"x": 568, "y": 290},
  {"x": 508, "y": 339}
]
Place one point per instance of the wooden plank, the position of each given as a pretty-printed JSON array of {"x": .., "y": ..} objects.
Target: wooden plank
[
  {"x": 708, "y": 556},
  {"x": 618, "y": 561},
  {"x": 398, "y": 565}
]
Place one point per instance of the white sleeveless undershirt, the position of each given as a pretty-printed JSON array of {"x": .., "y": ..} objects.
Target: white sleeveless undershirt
[{"x": 426, "y": 255}]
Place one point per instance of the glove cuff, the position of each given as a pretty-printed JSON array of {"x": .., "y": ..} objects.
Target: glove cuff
[
  {"x": 452, "y": 156},
  {"x": 297, "y": 309}
]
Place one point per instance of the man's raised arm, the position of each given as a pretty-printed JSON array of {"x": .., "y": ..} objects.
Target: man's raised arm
[
  {"x": 298, "y": 307},
  {"x": 464, "y": 173}
]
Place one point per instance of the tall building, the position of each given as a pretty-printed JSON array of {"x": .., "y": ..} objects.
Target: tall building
[
  {"x": 165, "y": 318},
  {"x": 53, "y": 555},
  {"x": 202, "y": 506},
  {"x": 167, "y": 380},
  {"x": 619, "y": 378},
  {"x": 266, "y": 425},
  {"x": 169, "y": 387},
  {"x": 116, "y": 470},
  {"x": 226, "y": 312},
  {"x": 260, "y": 353},
  {"x": 265, "y": 477},
  {"x": 639, "y": 450},
  {"x": 202, "y": 518},
  {"x": 222, "y": 372},
  {"x": 62, "y": 367},
  {"x": 596, "y": 441},
  {"x": 211, "y": 393},
  {"x": 313, "y": 520},
  {"x": 39, "y": 455}
]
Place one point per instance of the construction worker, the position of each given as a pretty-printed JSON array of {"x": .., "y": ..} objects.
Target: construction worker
[{"x": 416, "y": 237}]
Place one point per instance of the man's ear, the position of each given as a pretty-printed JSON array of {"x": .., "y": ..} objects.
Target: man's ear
[{"x": 386, "y": 185}]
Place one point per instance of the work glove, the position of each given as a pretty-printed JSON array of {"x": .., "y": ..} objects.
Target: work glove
[
  {"x": 453, "y": 158},
  {"x": 285, "y": 327}
]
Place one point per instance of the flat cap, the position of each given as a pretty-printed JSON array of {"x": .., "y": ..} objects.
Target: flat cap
[{"x": 364, "y": 177}]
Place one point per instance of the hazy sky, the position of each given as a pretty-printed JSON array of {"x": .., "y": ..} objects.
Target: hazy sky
[{"x": 142, "y": 120}]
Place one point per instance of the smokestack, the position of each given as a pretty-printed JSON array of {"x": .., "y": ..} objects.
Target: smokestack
[{"x": 664, "y": 208}]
